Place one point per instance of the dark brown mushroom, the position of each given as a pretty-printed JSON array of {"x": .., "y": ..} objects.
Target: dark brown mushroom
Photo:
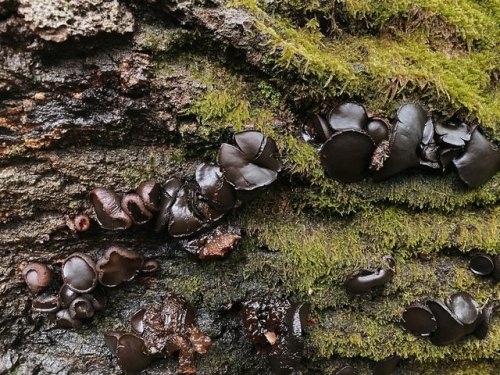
[
  {"x": 67, "y": 295},
  {"x": 37, "y": 276},
  {"x": 484, "y": 322},
  {"x": 151, "y": 194},
  {"x": 387, "y": 365},
  {"x": 81, "y": 222},
  {"x": 465, "y": 309},
  {"x": 131, "y": 352},
  {"x": 479, "y": 162},
  {"x": 419, "y": 320},
  {"x": 316, "y": 130},
  {"x": 170, "y": 190},
  {"x": 218, "y": 192},
  {"x": 378, "y": 130},
  {"x": 81, "y": 308},
  {"x": 346, "y": 156},
  {"x": 252, "y": 163},
  {"x": 45, "y": 304},
  {"x": 453, "y": 134},
  {"x": 110, "y": 214},
  {"x": 404, "y": 142},
  {"x": 362, "y": 281},
  {"x": 348, "y": 116},
  {"x": 481, "y": 264},
  {"x": 134, "y": 207},
  {"x": 111, "y": 340},
  {"x": 429, "y": 149},
  {"x": 64, "y": 320},
  {"x": 79, "y": 272},
  {"x": 183, "y": 221},
  {"x": 118, "y": 265},
  {"x": 449, "y": 328}
]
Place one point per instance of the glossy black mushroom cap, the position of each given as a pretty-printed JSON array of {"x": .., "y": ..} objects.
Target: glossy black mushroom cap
[
  {"x": 346, "y": 156},
  {"x": 481, "y": 264},
  {"x": 79, "y": 272},
  {"x": 219, "y": 193},
  {"x": 130, "y": 351},
  {"x": 404, "y": 142},
  {"x": 118, "y": 265},
  {"x": 151, "y": 194},
  {"x": 484, "y": 322},
  {"x": 419, "y": 320},
  {"x": 67, "y": 295},
  {"x": 37, "y": 276},
  {"x": 362, "y": 281},
  {"x": 449, "y": 328},
  {"x": 453, "y": 135},
  {"x": 252, "y": 163},
  {"x": 45, "y": 304},
  {"x": 64, "y": 320},
  {"x": 378, "y": 130},
  {"x": 464, "y": 308},
  {"x": 345, "y": 370},
  {"x": 81, "y": 308},
  {"x": 387, "y": 365},
  {"x": 134, "y": 207},
  {"x": 348, "y": 116},
  {"x": 183, "y": 219},
  {"x": 170, "y": 191},
  {"x": 110, "y": 214},
  {"x": 316, "y": 130},
  {"x": 479, "y": 162}
]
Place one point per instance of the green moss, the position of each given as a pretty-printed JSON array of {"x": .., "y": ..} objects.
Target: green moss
[{"x": 381, "y": 71}]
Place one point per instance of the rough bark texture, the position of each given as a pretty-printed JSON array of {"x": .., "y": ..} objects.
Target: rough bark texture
[{"x": 110, "y": 93}]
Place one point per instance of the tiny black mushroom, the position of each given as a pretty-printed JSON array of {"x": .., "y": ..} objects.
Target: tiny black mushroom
[
  {"x": 160, "y": 331},
  {"x": 81, "y": 294},
  {"x": 363, "y": 281},
  {"x": 485, "y": 265},
  {"x": 446, "y": 323},
  {"x": 277, "y": 326},
  {"x": 37, "y": 276},
  {"x": 354, "y": 145},
  {"x": 182, "y": 208}
]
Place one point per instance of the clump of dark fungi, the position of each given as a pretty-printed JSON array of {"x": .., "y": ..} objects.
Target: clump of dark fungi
[
  {"x": 277, "y": 326},
  {"x": 448, "y": 322},
  {"x": 363, "y": 281},
  {"x": 354, "y": 145},
  {"x": 162, "y": 331},
  {"x": 350, "y": 140},
  {"x": 184, "y": 208},
  {"x": 37, "y": 276},
  {"x": 82, "y": 293}
]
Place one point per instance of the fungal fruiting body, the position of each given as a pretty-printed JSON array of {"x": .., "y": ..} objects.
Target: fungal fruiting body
[
  {"x": 363, "y": 281},
  {"x": 354, "y": 145},
  {"x": 160, "y": 331},
  {"x": 81, "y": 294},
  {"x": 277, "y": 326},
  {"x": 446, "y": 323},
  {"x": 485, "y": 265},
  {"x": 182, "y": 208}
]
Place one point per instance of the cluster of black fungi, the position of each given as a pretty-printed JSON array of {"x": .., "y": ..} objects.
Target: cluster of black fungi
[
  {"x": 446, "y": 323},
  {"x": 160, "y": 331},
  {"x": 182, "y": 208},
  {"x": 81, "y": 294},
  {"x": 355, "y": 145}
]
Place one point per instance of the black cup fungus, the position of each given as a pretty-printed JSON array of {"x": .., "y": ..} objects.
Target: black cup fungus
[{"x": 79, "y": 272}]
